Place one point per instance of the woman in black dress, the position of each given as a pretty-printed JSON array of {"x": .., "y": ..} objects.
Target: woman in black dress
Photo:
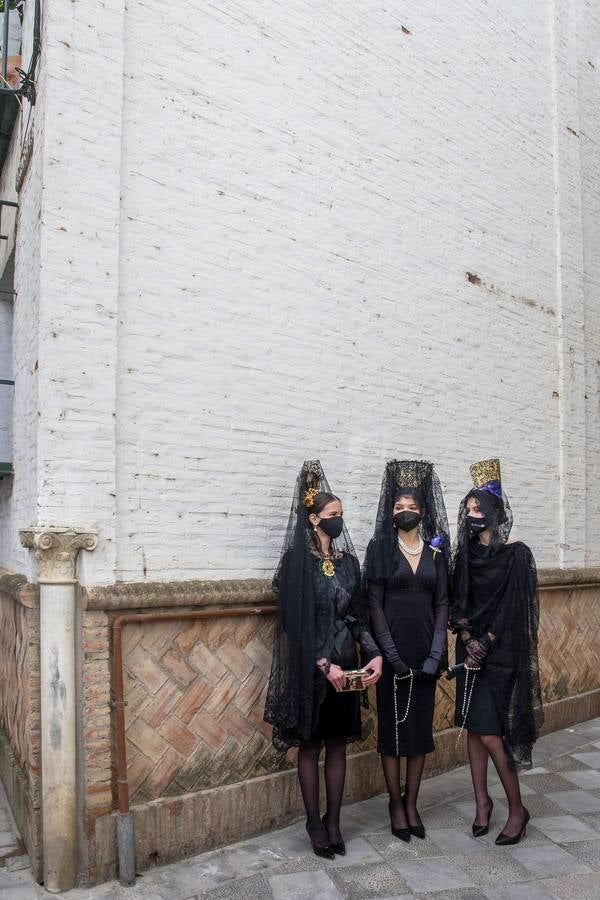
[
  {"x": 406, "y": 575},
  {"x": 321, "y": 617},
  {"x": 495, "y": 616}
]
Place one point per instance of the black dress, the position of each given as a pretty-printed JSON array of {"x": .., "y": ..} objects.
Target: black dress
[
  {"x": 337, "y": 601},
  {"x": 494, "y": 574},
  {"x": 407, "y": 608},
  {"x": 482, "y": 716}
]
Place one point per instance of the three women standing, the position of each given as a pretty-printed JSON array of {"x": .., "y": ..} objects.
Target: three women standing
[
  {"x": 321, "y": 618},
  {"x": 406, "y": 580},
  {"x": 495, "y": 616}
]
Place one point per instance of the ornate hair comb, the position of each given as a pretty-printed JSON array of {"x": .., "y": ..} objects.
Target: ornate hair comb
[
  {"x": 486, "y": 475},
  {"x": 410, "y": 473},
  {"x": 309, "y": 496}
]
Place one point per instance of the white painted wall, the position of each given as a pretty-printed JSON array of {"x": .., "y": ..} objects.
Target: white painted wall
[{"x": 254, "y": 250}]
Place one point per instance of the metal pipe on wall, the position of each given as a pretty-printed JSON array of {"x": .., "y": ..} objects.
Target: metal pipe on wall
[{"x": 125, "y": 830}]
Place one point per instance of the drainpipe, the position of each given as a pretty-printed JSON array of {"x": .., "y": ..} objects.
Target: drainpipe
[
  {"x": 125, "y": 834},
  {"x": 56, "y": 551}
]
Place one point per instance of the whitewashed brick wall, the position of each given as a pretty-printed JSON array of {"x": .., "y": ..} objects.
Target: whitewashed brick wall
[{"x": 256, "y": 231}]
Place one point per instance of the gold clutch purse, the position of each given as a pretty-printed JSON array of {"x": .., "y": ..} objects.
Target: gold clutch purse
[{"x": 354, "y": 679}]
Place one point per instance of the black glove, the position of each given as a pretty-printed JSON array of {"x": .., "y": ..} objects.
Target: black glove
[
  {"x": 400, "y": 667},
  {"x": 477, "y": 650},
  {"x": 430, "y": 667}
]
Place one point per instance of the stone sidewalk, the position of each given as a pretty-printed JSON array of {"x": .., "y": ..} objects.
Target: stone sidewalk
[{"x": 559, "y": 859}]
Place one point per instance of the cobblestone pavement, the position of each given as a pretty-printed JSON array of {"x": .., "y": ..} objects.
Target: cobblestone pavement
[{"x": 559, "y": 858}]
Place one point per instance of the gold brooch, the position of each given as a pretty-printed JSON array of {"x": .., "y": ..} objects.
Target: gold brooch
[
  {"x": 327, "y": 567},
  {"x": 309, "y": 496}
]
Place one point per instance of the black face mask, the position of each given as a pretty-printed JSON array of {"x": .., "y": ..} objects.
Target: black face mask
[
  {"x": 407, "y": 520},
  {"x": 476, "y": 524},
  {"x": 333, "y": 526}
]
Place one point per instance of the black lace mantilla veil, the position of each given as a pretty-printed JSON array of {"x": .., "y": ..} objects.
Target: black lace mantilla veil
[
  {"x": 503, "y": 577},
  {"x": 296, "y": 687},
  {"x": 416, "y": 477}
]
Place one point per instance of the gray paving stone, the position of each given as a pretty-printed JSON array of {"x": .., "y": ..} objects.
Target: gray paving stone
[
  {"x": 588, "y": 779},
  {"x": 591, "y": 759},
  {"x": 454, "y": 842},
  {"x": 445, "y": 816},
  {"x": 590, "y": 728},
  {"x": 564, "y": 829},
  {"x": 544, "y": 784},
  {"x": 562, "y": 763},
  {"x": 542, "y": 805},
  {"x": 496, "y": 791},
  {"x": 576, "y": 801},
  {"x": 308, "y": 863},
  {"x": 252, "y": 888},
  {"x": 291, "y": 841},
  {"x": 24, "y": 893},
  {"x": 372, "y": 880},
  {"x": 492, "y": 866},
  {"x": 432, "y": 874},
  {"x": 530, "y": 890},
  {"x": 574, "y": 887},
  {"x": 355, "y": 822},
  {"x": 192, "y": 876},
  {"x": 592, "y": 821},
  {"x": 250, "y": 857},
  {"x": 558, "y": 743},
  {"x": 358, "y": 851},
  {"x": 548, "y": 861},
  {"x": 458, "y": 894},
  {"x": 389, "y": 847},
  {"x": 587, "y": 852},
  {"x": 20, "y": 879},
  {"x": 304, "y": 886}
]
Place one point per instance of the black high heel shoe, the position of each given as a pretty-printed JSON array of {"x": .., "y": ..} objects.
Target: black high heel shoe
[
  {"x": 402, "y": 833},
  {"x": 339, "y": 847},
  {"x": 326, "y": 851},
  {"x": 503, "y": 840},
  {"x": 480, "y": 830},
  {"x": 415, "y": 830}
]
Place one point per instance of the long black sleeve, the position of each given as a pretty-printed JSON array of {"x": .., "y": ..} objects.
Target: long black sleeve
[
  {"x": 379, "y": 626},
  {"x": 440, "y": 603}
]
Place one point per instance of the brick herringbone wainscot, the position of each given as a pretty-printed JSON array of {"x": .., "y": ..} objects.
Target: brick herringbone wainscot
[{"x": 201, "y": 767}]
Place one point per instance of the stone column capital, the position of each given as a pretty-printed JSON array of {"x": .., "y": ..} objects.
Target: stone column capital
[{"x": 56, "y": 551}]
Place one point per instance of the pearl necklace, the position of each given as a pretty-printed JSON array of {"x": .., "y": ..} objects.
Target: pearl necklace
[
  {"x": 410, "y": 674},
  {"x": 410, "y": 550},
  {"x": 468, "y": 693}
]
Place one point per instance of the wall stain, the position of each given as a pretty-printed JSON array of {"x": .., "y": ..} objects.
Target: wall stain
[
  {"x": 58, "y": 694},
  {"x": 472, "y": 278}
]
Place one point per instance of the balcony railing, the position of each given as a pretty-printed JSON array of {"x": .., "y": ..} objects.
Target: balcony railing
[
  {"x": 6, "y": 404},
  {"x": 17, "y": 79}
]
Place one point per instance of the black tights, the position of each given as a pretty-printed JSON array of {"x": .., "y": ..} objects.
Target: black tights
[
  {"x": 335, "y": 776},
  {"x": 403, "y": 812},
  {"x": 482, "y": 746}
]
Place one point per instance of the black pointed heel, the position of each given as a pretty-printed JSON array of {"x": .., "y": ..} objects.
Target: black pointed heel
[
  {"x": 416, "y": 830},
  {"x": 480, "y": 830},
  {"x": 325, "y": 852},
  {"x": 503, "y": 840},
  {"x": 339, "y": 847},
  {"x": 402, "y": 833}
]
